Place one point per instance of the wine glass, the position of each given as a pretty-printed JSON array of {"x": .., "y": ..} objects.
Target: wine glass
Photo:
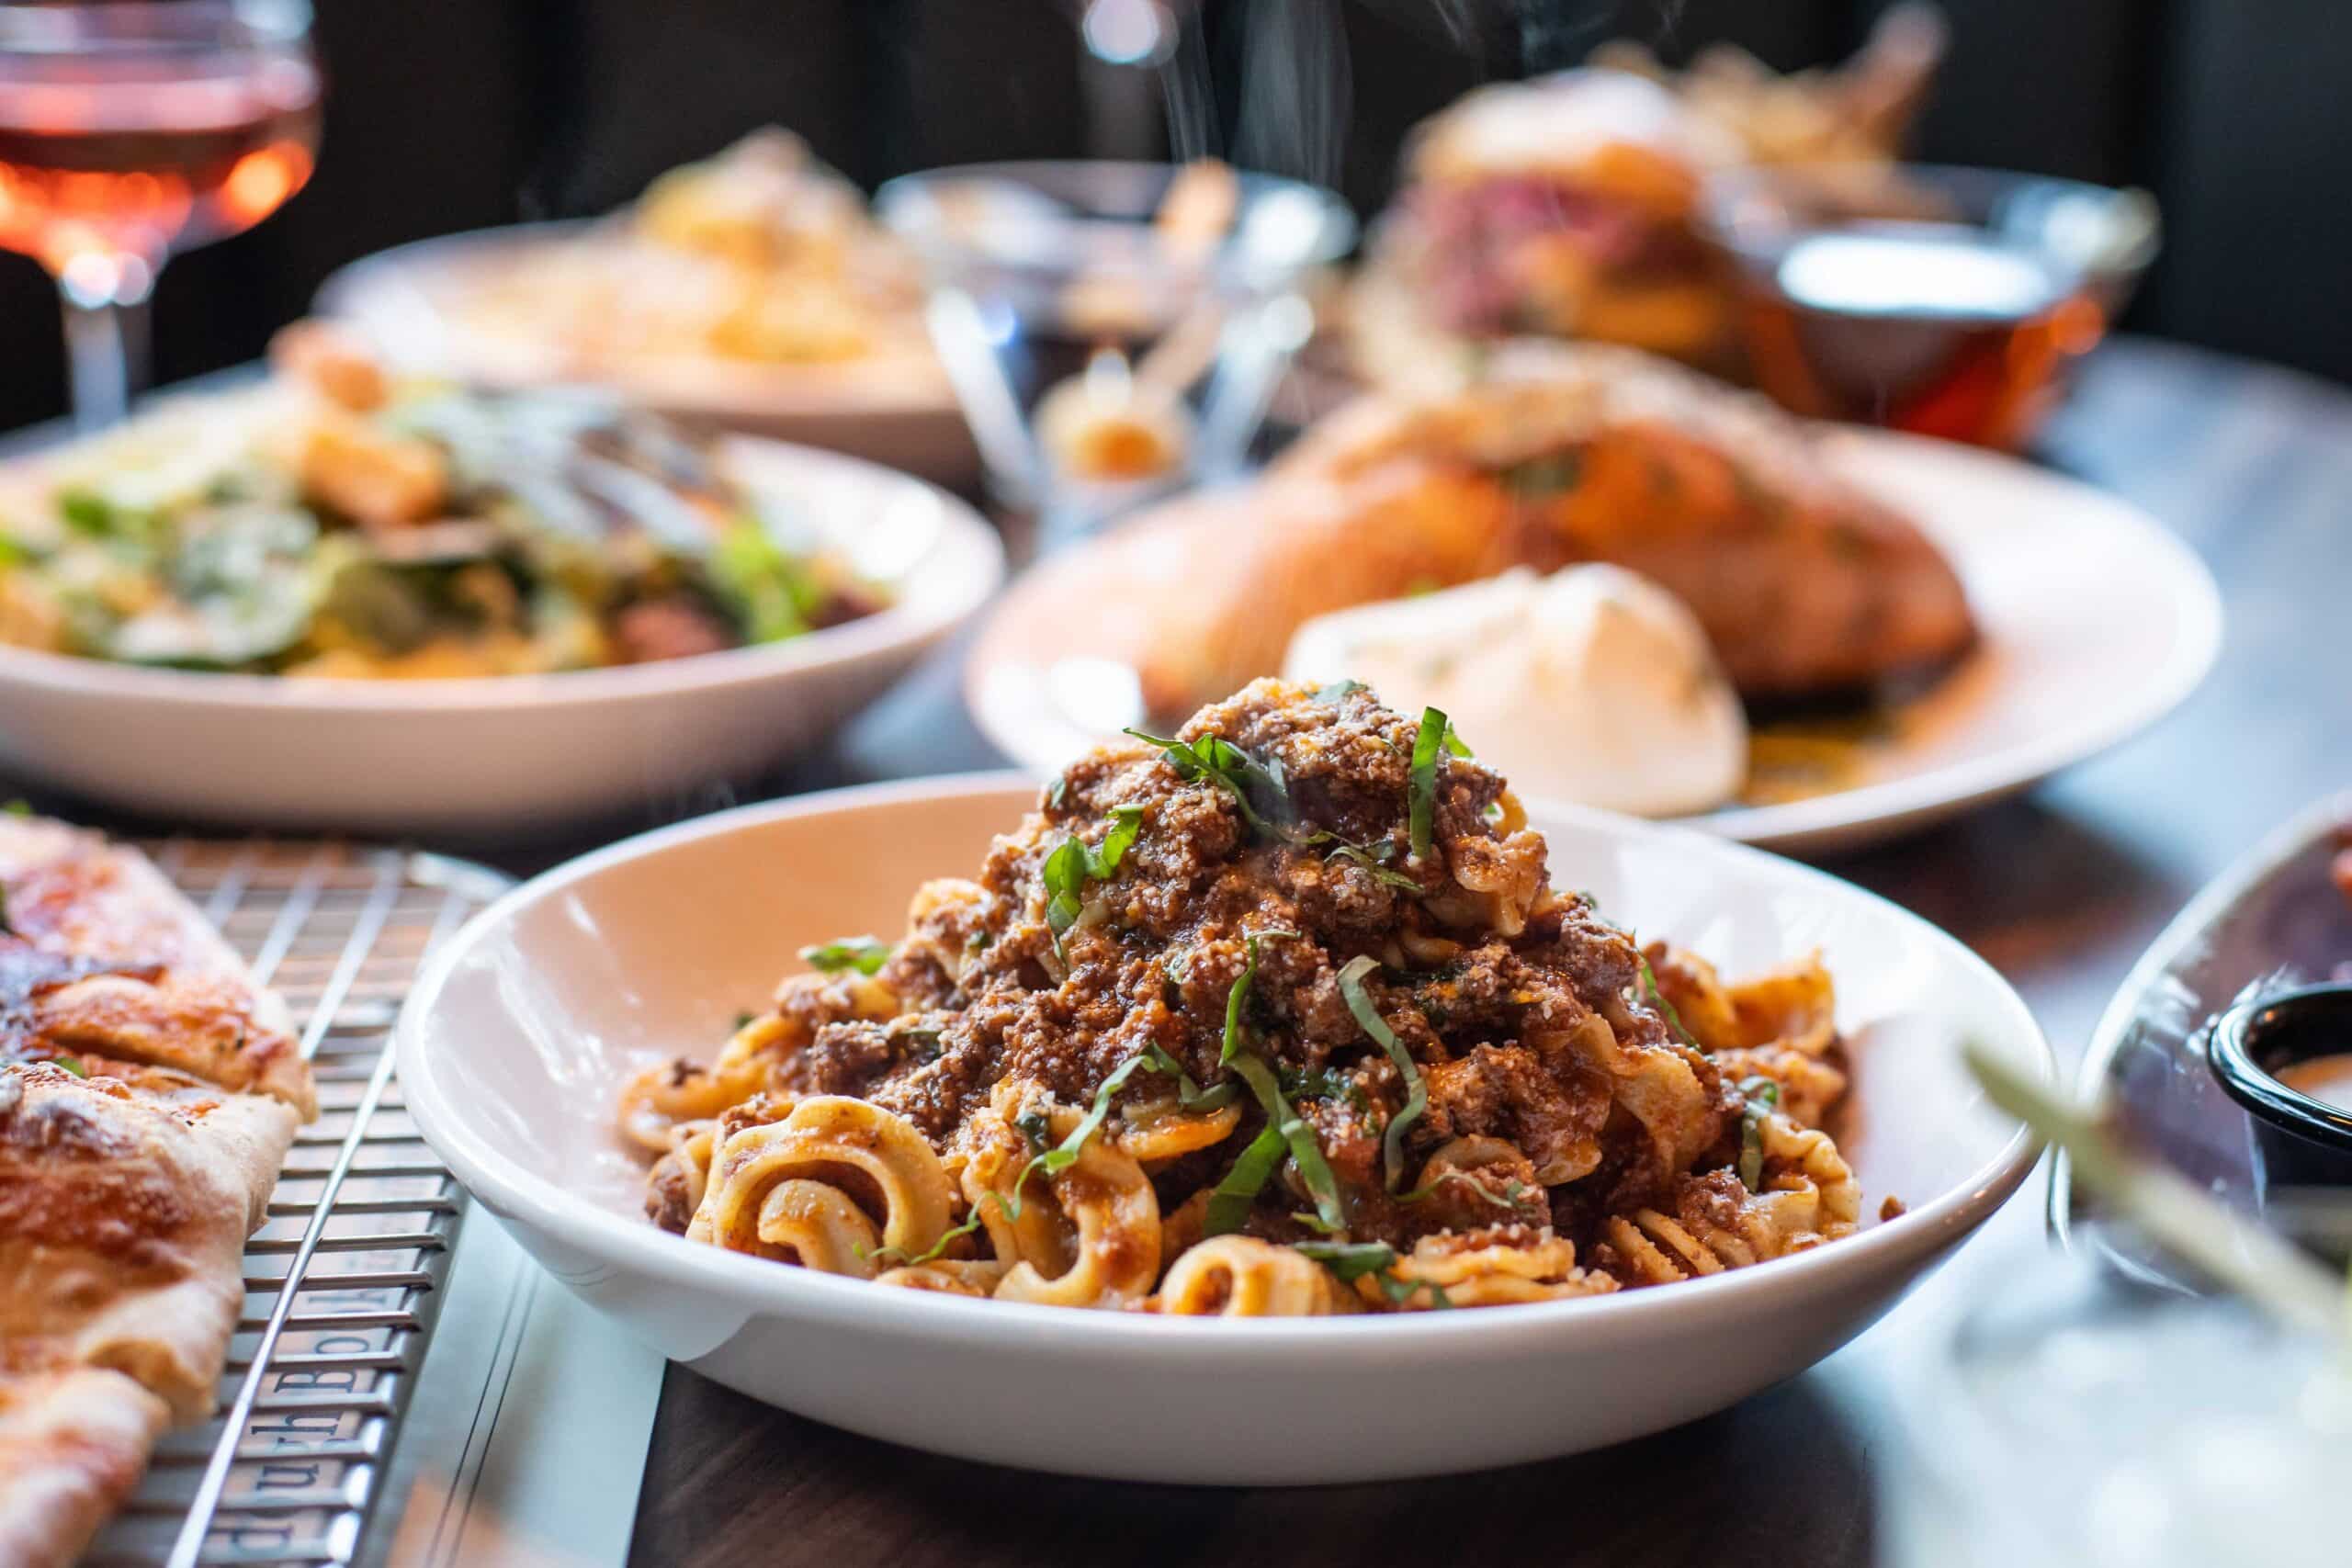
[
  {"x": 1113, "y": 330},
  {"x": 133, "y": 129}
]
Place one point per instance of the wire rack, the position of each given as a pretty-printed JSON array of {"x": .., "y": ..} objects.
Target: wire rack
[{"x": 344, "y": 1280}]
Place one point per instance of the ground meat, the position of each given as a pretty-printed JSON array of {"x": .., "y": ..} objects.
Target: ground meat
[
  {"x": 845, "y": 1058},
  {"x": 669, "y": 1195},
  {"x": 1506, "y": 1093}
]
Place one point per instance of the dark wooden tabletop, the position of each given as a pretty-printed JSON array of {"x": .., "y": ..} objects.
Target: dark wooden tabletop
[{"x": 2060, "y": 889}]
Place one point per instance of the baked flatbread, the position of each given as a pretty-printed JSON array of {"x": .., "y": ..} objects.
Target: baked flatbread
[
  {"x": 149, "y": 1090},
  {"x": 124, "y": 1209},
  {"x": 107, "y": 957},
  {"x": 72, "y": 1444}
]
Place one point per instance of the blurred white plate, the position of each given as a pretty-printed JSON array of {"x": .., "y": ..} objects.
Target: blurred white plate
[
  {"x": 2097, "y": 622},
  {"x": 473, "y": 755},
  {"x": 515, "y": 1040},
  {"x": 893, "y": 407}
]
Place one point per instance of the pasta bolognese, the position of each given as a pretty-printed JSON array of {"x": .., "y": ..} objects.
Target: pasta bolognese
[{"x": 1279, "y": 1015}]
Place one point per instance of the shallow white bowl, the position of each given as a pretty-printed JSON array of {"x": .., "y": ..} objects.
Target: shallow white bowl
[
  {"x": 475, "y": 755},
  {"x": 523, "y": 1026}
]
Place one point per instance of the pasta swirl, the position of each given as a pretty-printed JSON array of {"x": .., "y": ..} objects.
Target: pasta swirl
[
  {"x": 783, "y": 1188},
  {"x": 1086, "y": 1236},
  {"x": 1239, "y": 1276}
]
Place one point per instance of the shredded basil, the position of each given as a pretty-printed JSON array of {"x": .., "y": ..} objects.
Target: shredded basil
[
  {"x": 863, "y": 954},
  {"x": 1436, "y": 734},
  {"x": 1349, "y": 1260},
  {"x": 1322, "y": 1083},
  {"x": 1763, "y": 1096},
  {"x": 1417, "y": 1094},
  {"x": 1399, "y": 1292},
  {"x": 1338, "y": 689},
  {"x": 1658, "y": 999},
  {"x": 1037, "y": 1128},
  {"x": 1190, "y": 1094},
  {"x": 1357, "y": 855},
  {"x": 743, "y": 1020},
  {"x": 1513, "y": 1190},
  {"x": 1057, "y": 790},
  {"x": 72, "y": 1064},
  {"x": 1261, "y": 791},
  {"x": 1230, "y": 1203},
  {"x": 1060, "y": 1157},
  {"x": 1314, "y": 1171},
  {"x": 1073, "y": 864}
]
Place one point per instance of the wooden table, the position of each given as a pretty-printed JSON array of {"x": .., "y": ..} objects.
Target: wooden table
[{"x": 2060, "y": 890}]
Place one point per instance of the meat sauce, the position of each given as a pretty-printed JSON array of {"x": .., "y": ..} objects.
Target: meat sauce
[{"x": 1523, "y": 1010}]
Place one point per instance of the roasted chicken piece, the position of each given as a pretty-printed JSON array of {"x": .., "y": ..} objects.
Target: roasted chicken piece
[{"x": 1560, "y": 454}]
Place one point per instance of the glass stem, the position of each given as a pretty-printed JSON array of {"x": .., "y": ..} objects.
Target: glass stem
[{"x": 106, "y": 334}]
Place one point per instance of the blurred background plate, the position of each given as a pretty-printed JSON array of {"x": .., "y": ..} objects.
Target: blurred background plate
[
  {"x": 2097, "y": 622},
  {"x": 892, "y": 407},
  {"x": 511, "y": 753}
]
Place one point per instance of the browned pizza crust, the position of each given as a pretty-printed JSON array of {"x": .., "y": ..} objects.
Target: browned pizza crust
[
  {"x": 72, "y": 1444},
  {"x": 102, "y": 954},
  {"x": 124, "y": 1208}
]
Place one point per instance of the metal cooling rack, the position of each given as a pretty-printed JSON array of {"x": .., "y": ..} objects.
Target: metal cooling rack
[{"x": 344, "y": 1280}]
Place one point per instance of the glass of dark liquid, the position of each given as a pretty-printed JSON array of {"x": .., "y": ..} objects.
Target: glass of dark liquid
[
  {"x": 1942, "y": 301},
  {"x": 133, "y": 130},
  {"x": 1113, "y": 329}
]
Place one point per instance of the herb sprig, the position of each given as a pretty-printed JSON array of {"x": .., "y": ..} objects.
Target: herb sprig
[
  {"x": 1513, "y": 1189},
  {"x": 1052, "y": 1161},
  {"x": 864, "y": 953},
  {"x": 1369, "y": 860},
  {"x": 1666, "y": 1008},
  {"x": 1229, "y": 1204},
  {"x": 1417, "y": 1094},
  {"x": 1763, "y": 1097},
  {"x": 1435, "y": 737},
  {"x": 1074, "y": 863},
  {"x": 1352, "y": 1260}
]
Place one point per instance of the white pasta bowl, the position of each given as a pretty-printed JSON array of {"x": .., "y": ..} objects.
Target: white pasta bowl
[
  {"x": 491, "y": 753},
  {"x": 514, "y": 1043}
]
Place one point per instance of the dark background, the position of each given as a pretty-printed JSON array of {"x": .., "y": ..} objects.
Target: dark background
[{"x": 452, "y": 114}]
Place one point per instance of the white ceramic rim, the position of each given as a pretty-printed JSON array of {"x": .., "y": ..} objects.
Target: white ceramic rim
[
  {"x": 2192, "y": 596},
  {"x": 967, "y": 557},
  {"x": 2195, "y": 600},
  {"x": 705, "y": 385},
  {"x": 764, "y": 1288}
]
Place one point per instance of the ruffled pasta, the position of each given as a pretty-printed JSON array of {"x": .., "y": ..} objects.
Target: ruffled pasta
[
  {"x": 791, "y": 1188},
  {"x": 1086, "y": 1236},
  {"x": 1239, "y": 1276},
  {"x": 1489, "y": 1268},
  {"x": 1809, "y": 1196}
]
